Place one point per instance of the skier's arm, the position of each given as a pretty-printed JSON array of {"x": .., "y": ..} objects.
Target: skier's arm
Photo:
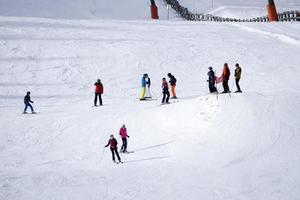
[{"x": 107, "y": 143}]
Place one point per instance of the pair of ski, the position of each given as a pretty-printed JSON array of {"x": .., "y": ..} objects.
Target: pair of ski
[
  {"x": 29, "y": 113},
  {"x": 127, "y": 152},
  {"x": 147, "y": 99}
]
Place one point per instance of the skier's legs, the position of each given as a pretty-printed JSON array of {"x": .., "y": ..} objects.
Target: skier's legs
[
  {"x": 30, "y": 106},
  {"x": 164, "y": 97},
  {"x": 225, "y": 86},
  {"x": 124, "y": 143},
  {"x": 118, "y": 156},
  {"x": 123, "y": 146},
  {"x": 173, "y": 91},
  {"x": 113, "y": 154},
  {"x": 26, "y": 106},
  {"x": 237, "y": 84},
  {"x": 95, "y": 99},
  {"x": 210, "y": 85},
  {"x": 143, "y": 93},
  {"x": 100, "y": 99},
  {"x": 168, "y": 97},
  {"x": 214, "y": 89}
]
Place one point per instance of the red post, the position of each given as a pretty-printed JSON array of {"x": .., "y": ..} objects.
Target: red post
[
  {"x": 154, "y": 10},
  {"x": 272, "y": 13}
]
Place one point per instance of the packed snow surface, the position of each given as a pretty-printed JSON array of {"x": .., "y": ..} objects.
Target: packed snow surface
[
  {"x": 214, "y": 147},
  {"x": 246, "y": 146}
]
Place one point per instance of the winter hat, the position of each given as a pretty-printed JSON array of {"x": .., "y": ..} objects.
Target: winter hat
[
  {"x": 169, "y": 74},
  {"x": 111, "y": 135},
  {"x": 210, "y": 68},
  {"x": 237, "y": 65},
  {"x": 98, "y": 80},
  {"x": 28, "y": 92}
]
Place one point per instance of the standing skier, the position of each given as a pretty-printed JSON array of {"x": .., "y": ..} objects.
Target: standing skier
[
  {"x": 225, "y": 77},
  {"x": 112, "y": 142},
  {"x": 172, "y": 82},
  {"x": 124, "y": 136},
  {"x": 143, "y": 84},
  {"x": 211, "y": 80},
  {"x": 27, "y": 102},
  {"x": 165, "y": 91},
  {"x": 98, "y": 92},
  {"x": 237, "y": 75}
]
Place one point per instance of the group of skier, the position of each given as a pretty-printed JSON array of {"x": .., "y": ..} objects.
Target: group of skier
[
  {"x": 146, "y": 83},
  {"x": 113, "y": 143},
  {"x": 224, "y": 78}
]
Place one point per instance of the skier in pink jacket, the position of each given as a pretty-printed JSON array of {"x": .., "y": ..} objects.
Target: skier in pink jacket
[{"x": 124, "y": 136}]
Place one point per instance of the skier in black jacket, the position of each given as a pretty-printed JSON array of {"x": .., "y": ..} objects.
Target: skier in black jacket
[
  {"x": 211, "y": 80},
  {"x": 112, "y": 142},
  {"x": 27, "y": 102}
]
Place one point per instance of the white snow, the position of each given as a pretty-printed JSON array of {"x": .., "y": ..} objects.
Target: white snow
[{"x": 210, "y": 147}]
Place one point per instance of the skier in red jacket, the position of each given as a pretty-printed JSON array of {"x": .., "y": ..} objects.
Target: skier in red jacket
[
  {"x": 225, "y": 77},
  {"x": 112, "y": 142},
  {"x": 98, "y": 92}
]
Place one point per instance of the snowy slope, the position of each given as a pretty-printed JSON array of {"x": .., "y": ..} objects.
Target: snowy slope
[{"x": 202, "y": 147}]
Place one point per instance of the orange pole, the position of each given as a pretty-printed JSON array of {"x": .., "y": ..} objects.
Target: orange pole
[
  {"x": 154, "y": 10},
  {"x": 272, "y": 13}
]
